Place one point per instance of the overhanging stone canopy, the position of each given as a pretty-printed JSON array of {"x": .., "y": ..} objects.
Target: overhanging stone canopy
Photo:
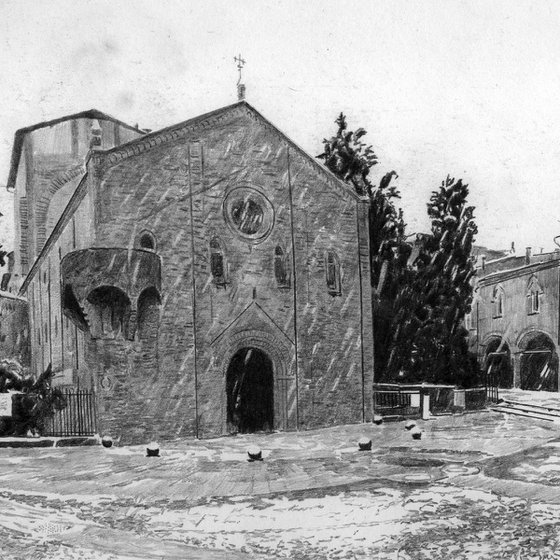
[{"x": 110, "y": 277}]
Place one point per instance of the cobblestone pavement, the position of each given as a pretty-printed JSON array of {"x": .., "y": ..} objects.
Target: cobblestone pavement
[{"x": 456, "y": 493}]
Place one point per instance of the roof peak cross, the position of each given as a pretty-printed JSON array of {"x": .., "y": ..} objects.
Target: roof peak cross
[{"x": 240, "y": 63}]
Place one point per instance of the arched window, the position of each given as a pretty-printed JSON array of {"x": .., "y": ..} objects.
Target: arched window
[
  {"x": 498, "y": 302},
  {"x": 147, "y": 241},
  {"x": 218, "y": 266},
  {"x": 333, "y": 273},
  {"x": 281, "y": 268},
  {"x": 534, "y": 296}
]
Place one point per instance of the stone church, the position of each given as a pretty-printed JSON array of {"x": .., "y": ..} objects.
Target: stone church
[{"x": 204, "y": 279}]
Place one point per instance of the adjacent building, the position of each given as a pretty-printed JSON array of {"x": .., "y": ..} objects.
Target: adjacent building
[{"x": 514, "y": 323}]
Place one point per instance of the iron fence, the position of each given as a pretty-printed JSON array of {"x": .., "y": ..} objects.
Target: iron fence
[
  {"x": 492, "y": 393},
  {"x": 77, "y": 418},
  {"x": 391, "y": 400}
]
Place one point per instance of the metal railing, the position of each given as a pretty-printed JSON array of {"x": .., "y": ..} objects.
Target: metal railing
[
  {"x": 77, "y": 418},
  {"x": 391, "y": 399}
]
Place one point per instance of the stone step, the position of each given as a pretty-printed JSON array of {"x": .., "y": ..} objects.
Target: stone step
[
  {"x": 539, "y": 408},
  {"x": 508, "y": 409}
]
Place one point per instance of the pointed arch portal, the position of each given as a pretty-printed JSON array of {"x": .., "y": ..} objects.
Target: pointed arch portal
[{"x": 250, "y": 393}]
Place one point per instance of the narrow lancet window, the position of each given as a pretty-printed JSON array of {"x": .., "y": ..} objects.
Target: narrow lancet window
[
  {"x": 534, "y": 296},
  {"x": 498, "y": 302},
  {"x": 217, "y": 262},
  {"x": 281, "y": 268},
  {"x": 333, "y": 274}
]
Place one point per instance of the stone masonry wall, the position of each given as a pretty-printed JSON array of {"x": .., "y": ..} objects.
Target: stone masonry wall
[
  {"x": 331, "y": 388},
  {"x": 54, "y": 338},
  {"x": 203, "y": 324}
]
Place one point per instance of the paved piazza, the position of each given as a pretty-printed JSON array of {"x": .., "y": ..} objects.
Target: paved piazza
[{"x": 480, "y": 485}]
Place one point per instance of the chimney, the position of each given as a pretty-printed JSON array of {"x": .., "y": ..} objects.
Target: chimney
[
  {"x": 513, "y": 248},
  {"x": 528, "y": 255},
  {"x": 483, "y": 262}
]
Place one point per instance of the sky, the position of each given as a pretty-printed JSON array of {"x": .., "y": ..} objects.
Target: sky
[{"x": 465, "y": 88}]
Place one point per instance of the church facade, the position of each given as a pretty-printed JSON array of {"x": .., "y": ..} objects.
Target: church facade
[{"x": 205, "y": 279}]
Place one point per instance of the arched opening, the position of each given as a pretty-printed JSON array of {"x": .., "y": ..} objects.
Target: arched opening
[
  {"x": 539, "y": 363},
  {"x": 147, "y": 241},
  {"x": 498, "y": 367},
  {"x": 250, "y": 392},
  {"x": 109, "y": 313}
]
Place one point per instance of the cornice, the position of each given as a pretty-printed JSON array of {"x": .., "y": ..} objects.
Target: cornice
[{"x": 504, "y": 275}]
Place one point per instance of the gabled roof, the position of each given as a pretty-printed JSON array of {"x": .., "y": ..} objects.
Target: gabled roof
[
  {"x": 147, "y": 141},
  {"x": 20, "y": 135}
]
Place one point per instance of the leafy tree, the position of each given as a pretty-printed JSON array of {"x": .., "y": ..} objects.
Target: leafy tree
[
  {"x": 37, "y": 402},
  {"x": 429, "y": 341}
]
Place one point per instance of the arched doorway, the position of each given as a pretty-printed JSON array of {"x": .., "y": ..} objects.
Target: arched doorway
[
  {"x": 499, "y": 371},
  {"x": 539, "y": 363},
  {"x": 250, "y": 393}
]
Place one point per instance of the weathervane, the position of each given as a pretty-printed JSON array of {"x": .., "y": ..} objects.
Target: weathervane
[{"x": 240, "y": 87}]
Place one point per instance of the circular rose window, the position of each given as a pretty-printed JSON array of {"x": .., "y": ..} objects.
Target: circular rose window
[{"x": 249, "y": 213}]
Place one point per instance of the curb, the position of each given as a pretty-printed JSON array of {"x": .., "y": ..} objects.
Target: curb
[{"x": 25, "y": 443}]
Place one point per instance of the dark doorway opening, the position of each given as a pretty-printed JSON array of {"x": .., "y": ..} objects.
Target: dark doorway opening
[
  {"x": 499, "y": 370},
  {"x": 539, "y": 364},
  {"x": 250, "y": 396}
]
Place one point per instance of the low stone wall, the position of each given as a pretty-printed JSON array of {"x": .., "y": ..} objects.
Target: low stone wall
[{"x": 444, "y": 399}]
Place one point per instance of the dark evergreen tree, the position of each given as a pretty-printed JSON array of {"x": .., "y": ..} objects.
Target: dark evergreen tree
[
  {"x": 348, "y": 157},
  {"x": 429, "y": 341}
]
